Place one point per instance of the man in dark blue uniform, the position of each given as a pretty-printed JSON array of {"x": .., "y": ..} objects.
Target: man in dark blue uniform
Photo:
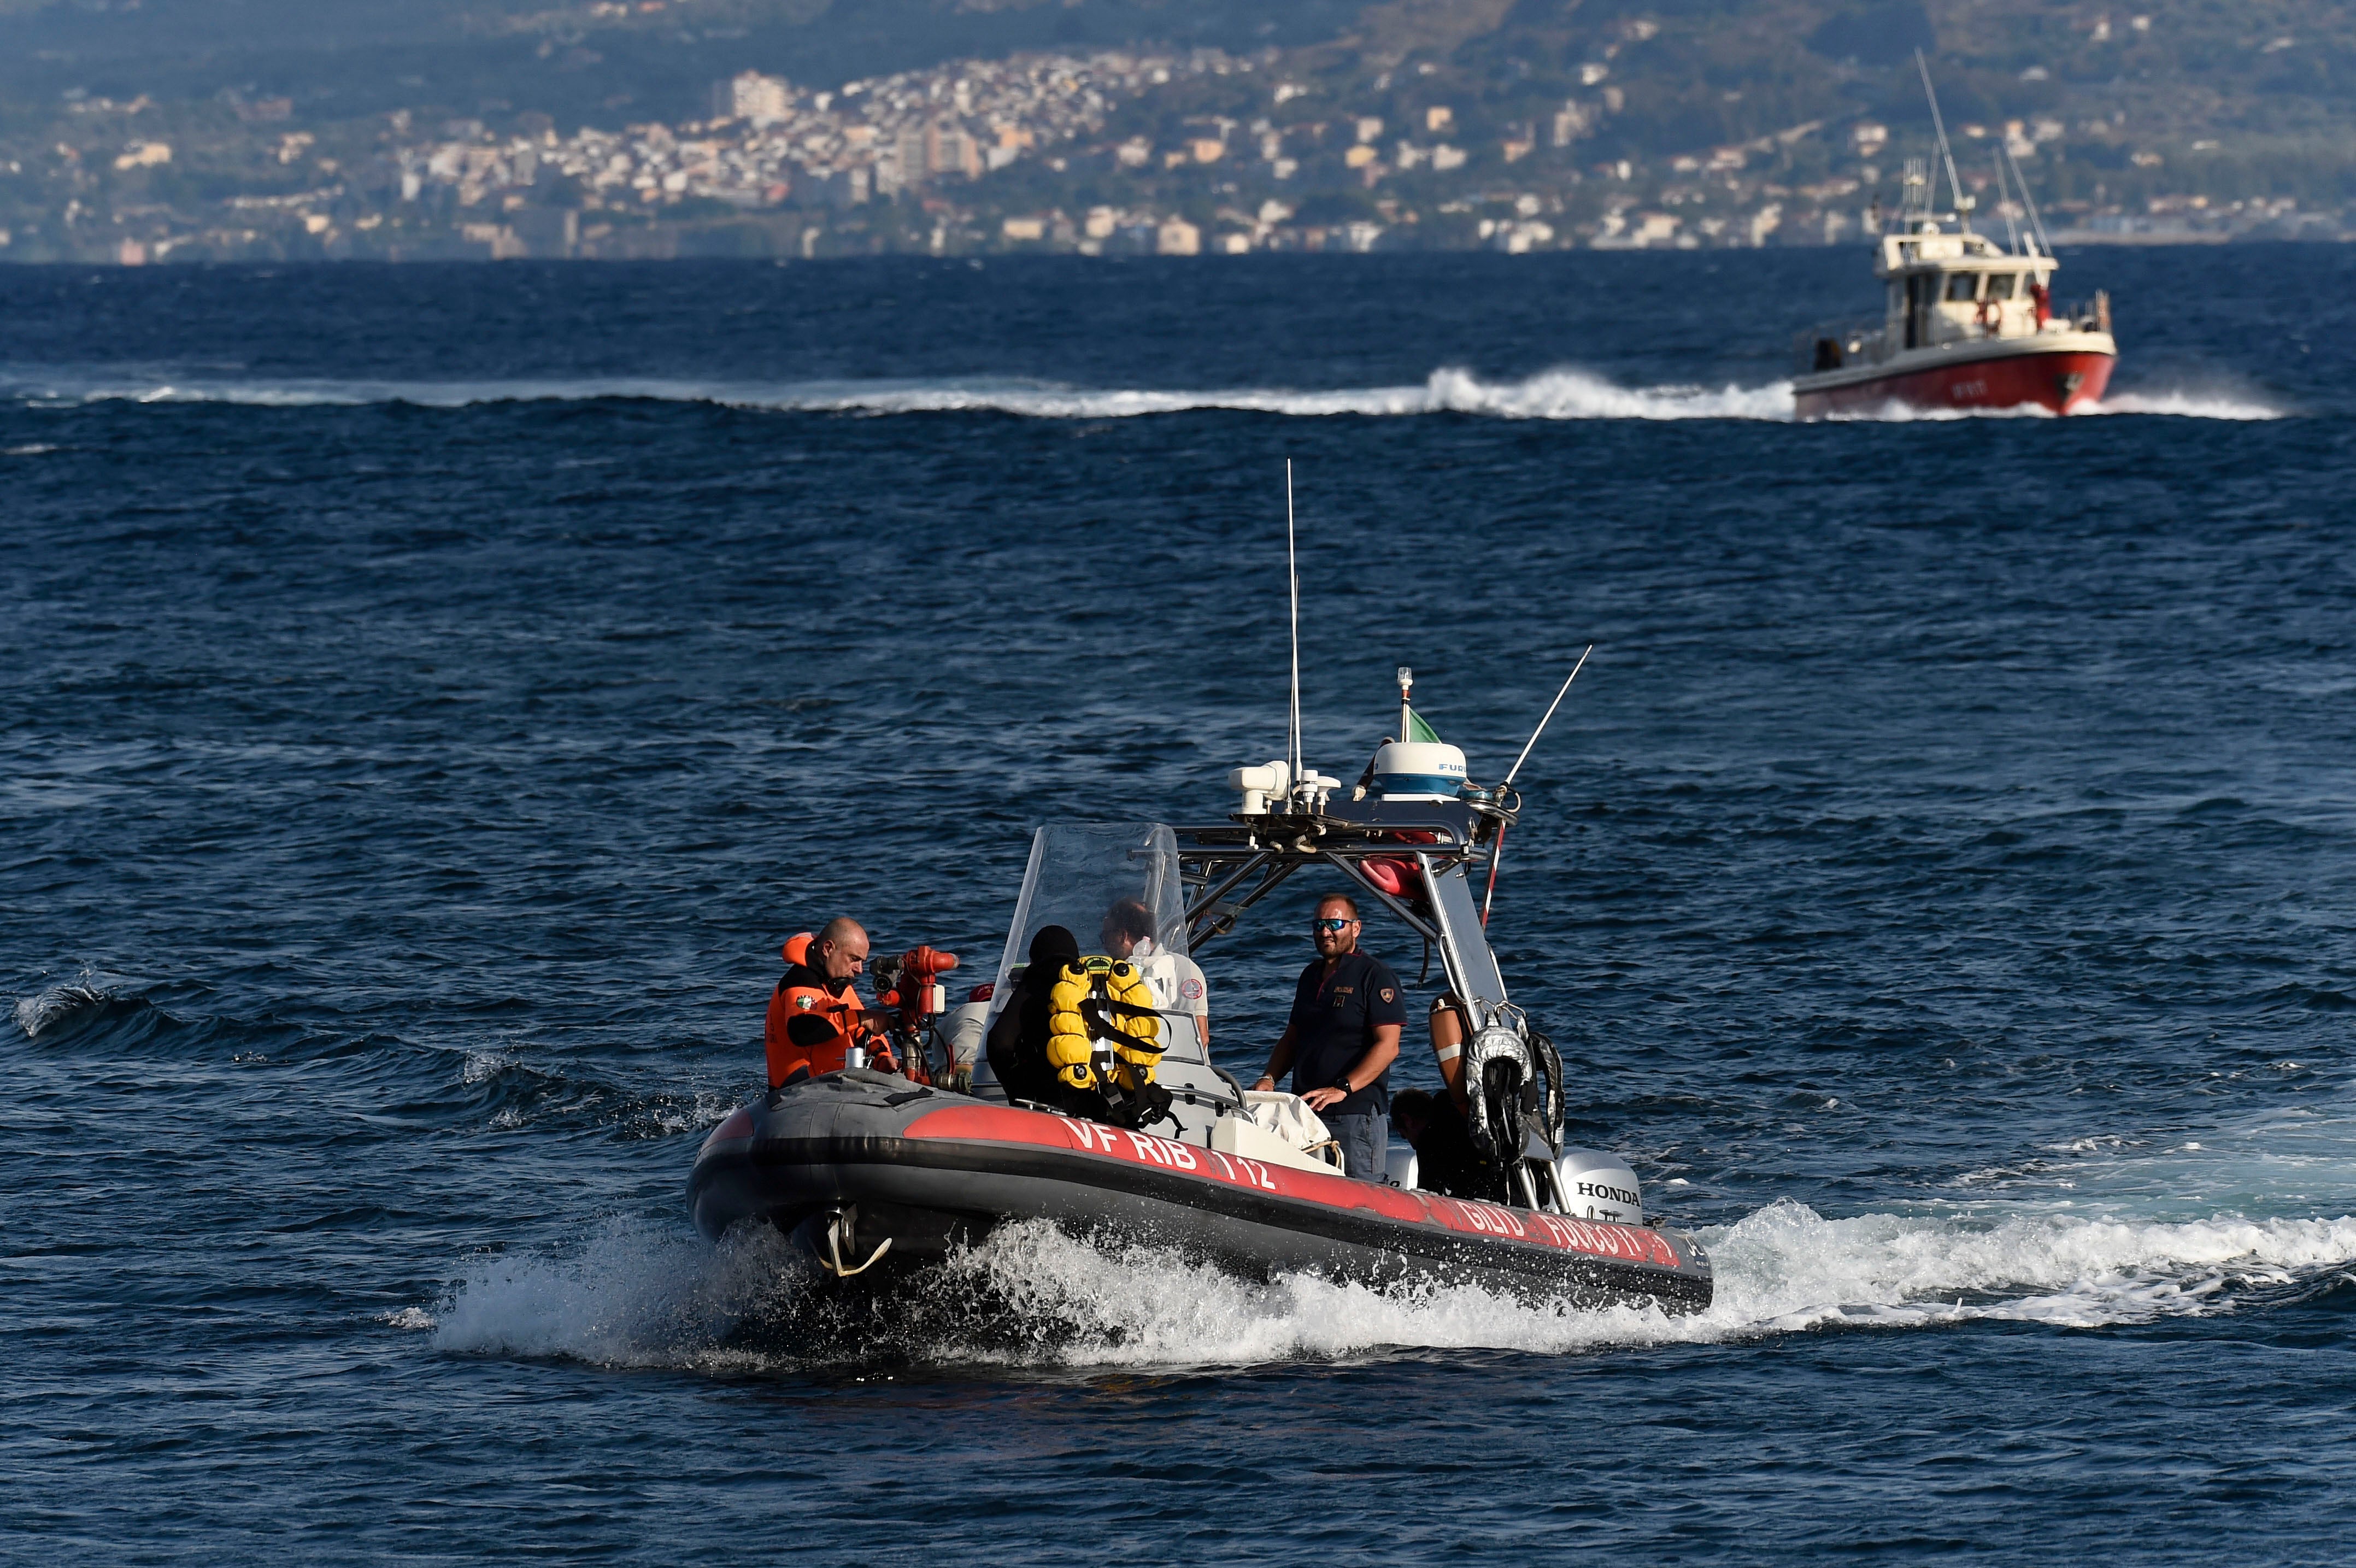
[{"x": 1344, "y": 1035}]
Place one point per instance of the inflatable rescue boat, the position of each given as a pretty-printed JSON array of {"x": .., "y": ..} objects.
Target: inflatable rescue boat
[{"x": 878, "y": 1174}]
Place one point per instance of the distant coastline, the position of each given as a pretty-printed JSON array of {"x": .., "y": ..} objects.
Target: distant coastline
[
  {"x": 1625, "y": 133},
  {"x": 754, "y": 241}
]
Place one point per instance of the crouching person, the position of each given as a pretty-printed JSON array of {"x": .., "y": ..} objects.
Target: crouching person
[{"x": 1445, "y": 1162}]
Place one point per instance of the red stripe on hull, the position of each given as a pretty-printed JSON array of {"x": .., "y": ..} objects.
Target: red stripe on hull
[
  {"x": 990, "y": 1124},
  {"x": 2060, "y": 383}
]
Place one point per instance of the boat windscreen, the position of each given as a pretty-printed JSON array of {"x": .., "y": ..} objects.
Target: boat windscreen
[{"x": 1102, "y": 881}]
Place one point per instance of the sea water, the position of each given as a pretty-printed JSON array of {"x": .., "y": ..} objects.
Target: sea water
[{"x": 430, "y": 695}]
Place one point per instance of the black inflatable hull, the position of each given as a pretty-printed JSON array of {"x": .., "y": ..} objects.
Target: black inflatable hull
[{"x": 928, "y": 1170}]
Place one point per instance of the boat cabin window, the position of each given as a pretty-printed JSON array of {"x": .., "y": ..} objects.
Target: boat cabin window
[
  {"x": 2000, "y": 284},
  {"x": 1960, "y": 286}
]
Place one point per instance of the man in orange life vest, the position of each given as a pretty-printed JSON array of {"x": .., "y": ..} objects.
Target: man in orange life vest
[{"x": 814, "y": 1014}]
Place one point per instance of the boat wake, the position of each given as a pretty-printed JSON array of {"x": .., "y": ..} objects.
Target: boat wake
[
  {"x": 2187, "y": 406},
  {"x": 2163, "y": 405},
  {"x": 1557, "y": 394},
  {"x": 1033, "y": 1297}
]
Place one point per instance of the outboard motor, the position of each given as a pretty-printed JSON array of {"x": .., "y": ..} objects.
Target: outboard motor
[{"x": 1596, "y": 1185}]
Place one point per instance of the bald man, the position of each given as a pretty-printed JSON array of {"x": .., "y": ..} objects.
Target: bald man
[{"x": 814, "y": 1014}]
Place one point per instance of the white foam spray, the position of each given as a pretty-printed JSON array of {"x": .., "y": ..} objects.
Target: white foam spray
[
  {"x": 1567, "y": 393},
  {"x": 2187, "y": 405},
  {"x": 631, "y": 1295},
  {"x": 44, "y": 1008},
  {"x": 637, "y": 1295}
]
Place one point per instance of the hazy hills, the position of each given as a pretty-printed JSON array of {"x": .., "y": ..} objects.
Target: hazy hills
[
  {"x": 1692, "y": 71},
  {"x": 142, "y": 129},
  {"x": 580, "y": 59}
]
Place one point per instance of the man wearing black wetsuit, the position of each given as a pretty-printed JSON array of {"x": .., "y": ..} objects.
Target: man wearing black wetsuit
[
  {"x": 1017, "y": 1046},
  {"x": 1347, "y": 1012}
]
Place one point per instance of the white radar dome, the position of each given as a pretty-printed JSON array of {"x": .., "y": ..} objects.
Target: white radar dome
[{"x": 1419, "y": 770}]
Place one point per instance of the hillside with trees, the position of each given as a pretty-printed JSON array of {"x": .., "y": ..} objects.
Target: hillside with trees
[{"x": 344, "y": 128}]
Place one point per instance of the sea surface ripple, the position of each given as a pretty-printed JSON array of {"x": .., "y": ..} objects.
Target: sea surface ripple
[{"x": 429, "y": 695}]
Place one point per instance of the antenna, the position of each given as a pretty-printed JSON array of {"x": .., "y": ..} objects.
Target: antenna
[
  {"x": 1549, "y": 717},
  {"x": 2036, "y": 220},
  {"x": 1955, "y": 187},
  {"x": 2004, "y": 205},
  {"x": 1407, "y": 684},
  {"x": 1292, "y": 569}
]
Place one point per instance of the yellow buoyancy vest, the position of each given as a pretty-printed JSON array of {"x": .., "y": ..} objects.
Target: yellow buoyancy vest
[{"x": 1102, "y": 1030}]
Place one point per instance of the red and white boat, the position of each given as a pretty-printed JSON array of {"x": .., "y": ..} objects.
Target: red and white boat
[
  {"x": 876, "y": 1176},
  {"x": 1967, "y": 323}
]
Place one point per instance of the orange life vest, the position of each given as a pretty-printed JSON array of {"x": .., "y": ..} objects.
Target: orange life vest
[{"x": 810, "y": 1026}]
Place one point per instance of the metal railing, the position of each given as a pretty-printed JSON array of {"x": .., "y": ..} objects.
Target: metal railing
[{"x": 2085, "y": 315}]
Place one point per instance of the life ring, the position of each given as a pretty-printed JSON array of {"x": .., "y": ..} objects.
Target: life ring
[
  {"x": 1399, "y": 877},
  {"x": 1991, "y": 314}
]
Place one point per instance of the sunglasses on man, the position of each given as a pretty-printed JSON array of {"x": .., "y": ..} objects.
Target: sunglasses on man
[{"x": 1331, "y": 925}]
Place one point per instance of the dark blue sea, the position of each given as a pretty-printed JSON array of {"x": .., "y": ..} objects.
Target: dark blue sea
[{"x": 428, "y": 696}]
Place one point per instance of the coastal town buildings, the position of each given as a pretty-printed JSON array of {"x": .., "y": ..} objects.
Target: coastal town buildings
[{"x": 1191, "y": 152}]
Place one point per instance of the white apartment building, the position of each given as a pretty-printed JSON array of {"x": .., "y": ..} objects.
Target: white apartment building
[{"x": 749, "y": 95}]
